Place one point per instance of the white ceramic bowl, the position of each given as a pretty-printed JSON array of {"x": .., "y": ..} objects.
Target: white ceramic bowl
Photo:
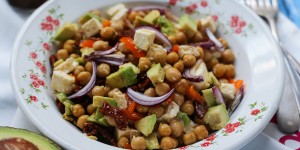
[{"x": 258, "y": 62}]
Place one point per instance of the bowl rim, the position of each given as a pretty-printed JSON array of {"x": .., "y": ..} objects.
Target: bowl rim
[{"x": 56, "y": 138}]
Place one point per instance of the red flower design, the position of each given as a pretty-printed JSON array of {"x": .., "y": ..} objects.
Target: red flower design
[
  {"x": 33, "y": 98},
  {"x": 43, "y": 69},
  {"x": 238, "y": 30},
  {"x": 35, "y": 84},
  {"x": 235, "y": 18},
  {"x": 49, "y": 19},
  {"x": 205, "y": 144},
  {"x": 46, "y": 46},
  {"x": 215, "y": 17},
  {"x": 38, "y": 64},
  {"x": 33, "y": 77},
  {"x": 204, "y": 3},
  {"x": 183, "y": 148},
  {"x": 229, "y": 128},
  {"x": 237, "y": 124},
  {"x": 56, "y": 22},
  {"x": 50, "y": 27},
  {"x": 242, "y": 24},
  {"x": 46, "y": 26},
  {"x": 255, "y": 112},
  {"x": 33, "y": 55},
  {"x": 41, "y": 82},
  {"x": 233, "y": 24},
  {"x": 211, "y": 138},
  {"x": 190, "y": 9},
  {"x": 173, "y": 2}
]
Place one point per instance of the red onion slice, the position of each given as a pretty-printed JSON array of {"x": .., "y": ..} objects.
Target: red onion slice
[
  {"x": 237, "y": 100},
  {"x": 213, "y": 38},
  {"x": 207, "y": 45},
  {"x": 187, "y": 75},
  {"x": 88, "y": 86},
  {"x": 160, "y": 36},
  {"x": 161, "y": 9},
  {"x": 146, "y": 100},
  {"x": 109, "y": 51},
  {"x": 218, "y": 95},
  {"x": 112, "y": 59}
]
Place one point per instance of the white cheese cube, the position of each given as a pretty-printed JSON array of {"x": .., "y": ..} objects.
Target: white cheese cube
[
  {"x": 120, "y": 14},
  {"x": 67, "y": 66},
  {"x": 208, "y": 22},
  {"x": 91, "y": 27},
  {"x": 185, "y": 49},
  {"x": 114, "y": 9},
  {"x": 144, "y": 38},
  {"x": 171, "y": 112},
  {"x": 227, "y": 90},
  {"x": 62, "y": 82}
]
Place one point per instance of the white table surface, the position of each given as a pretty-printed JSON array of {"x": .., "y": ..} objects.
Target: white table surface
[{"x": 12, "y": 20}]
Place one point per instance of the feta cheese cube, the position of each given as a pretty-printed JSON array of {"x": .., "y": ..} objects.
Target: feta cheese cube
[
  {"x": 120, "y": 14},
  {"x": 67, "y": 66},
  {"x": 144, "y": 38},
  {"x": 114, "y": 9},
  {"x": 227, "y": 90},
  {"x": 208, "y": 22},
  {"x": 185, "y": 49},
  {"x": 62, "y": 82},
  {"x": 91, "y": 27},
  {"x": 171, "y": 112}
]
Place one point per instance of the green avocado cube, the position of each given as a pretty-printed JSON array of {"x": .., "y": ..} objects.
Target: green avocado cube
[
  {"x": 86, "y": 17},
  {"x": 209, "y": 97},
  {"x": 152, "y": 142},
  {"x": 124, "y": 77},
  {"x": 152, "y": 16},
  {"x": 67, "y": 31},
  {"x": 185, "y": 118},
  {"x": 188, "y": 25},
  {"x": 166, "y": 26},
  {"x": 98, "y": 101},
  {"x": 146, "y": 124},
  {"x": 217, "y": 117},
  {"x": 156, "y": 74}
]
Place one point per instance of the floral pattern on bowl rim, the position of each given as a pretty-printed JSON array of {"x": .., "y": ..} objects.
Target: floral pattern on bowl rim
[{"x": 38, "y": 48}]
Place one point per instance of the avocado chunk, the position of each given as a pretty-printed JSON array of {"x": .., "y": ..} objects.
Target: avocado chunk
[
  {"x": 86, "y": 51},
  {"x": 209, "y": 97},
  {"x": 98, "y": 101},
  {"x": 217, "y": 117},
  {"x": 214, "y": 80},
  {"x": 166, "y": 26},
  {"x": 124, "y": 77},
  {"x": 146, "y": 124},
  {"x": 98, "y": 118},
  {"x": 139, "y": 21},
  {"x": 65, "y": 32},
  {"x": 13, "y": 138},
  {"x": 86, "y": 17},
  {"x": 156, "y": 74},
  {"x": 188, "y": 25},
  {"x": 136, "y": 70},
  {"x": 152, "y": 16},
  {"x": 152, "y": 142},
  {"x": 184, "y": 117}
]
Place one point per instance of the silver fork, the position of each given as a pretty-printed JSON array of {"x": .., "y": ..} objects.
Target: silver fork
[{"x": 288, "y": 112}]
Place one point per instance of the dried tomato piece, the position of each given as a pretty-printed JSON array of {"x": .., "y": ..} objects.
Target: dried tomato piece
[
  {"x": 120, "y": 118},
  {"x": 201, "y": 109},
  {"x": 99, "y": 131}
]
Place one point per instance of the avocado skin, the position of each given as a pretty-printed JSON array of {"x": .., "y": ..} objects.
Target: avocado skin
[
  {"x": 41, "y": 142},
  {"x": 124, "y": 77}
]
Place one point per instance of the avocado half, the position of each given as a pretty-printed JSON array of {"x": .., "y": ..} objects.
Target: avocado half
[{"x": 13, "y": 138}]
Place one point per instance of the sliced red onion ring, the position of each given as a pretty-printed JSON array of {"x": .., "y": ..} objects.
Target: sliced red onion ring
[
  {"x": 88, "y": 86},
  {"x": 160, "y": 36},
  {"x": 218, "y": 95},
  {"x": 187, "y": 75},
  {"x": 207, "y": 44},
  {"x": 161, "y": 9},
  {"x": 213, "y": 38},
  {"x": 112, "y": 59},
  {"x": 146, "y": 100},
  {"x": 109, "y": 51},
  {"x": 237, "y": 100}
]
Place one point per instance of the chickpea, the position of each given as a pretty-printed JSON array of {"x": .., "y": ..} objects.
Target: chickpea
[
  {"x": 138, "y": 143},
  {"x": 150, "y": 92},
  {"x": 74, "y": 56},
  {"x": 201, "y": 132},
  {"x": 179, "y": 65},
  {"x": 123, "y": 49},
  {"x": 173, "y": 75},
  {"x": 118, "y": 25},
  {"x": 189, "y": 60},
  {"x": 230, "y": 71},
  {"x": 113, "y": 92},
  {"x": 142, "y": 109},
  {"x": 228, "y": 56},
  {"x": 207, "y": 56},
  {"x": 100, "y": 90},
  {"x": 77, "y": 110},
  {"x": 84, "y": 77},
  {"x": 78, "y": 36},
  {"x": 172, "y": 58},
  {"x": 212, "y": 63},
  {"x": 181, "y": 86},
  {"x": 201, "y": 52},
  {"x": 189, "y": 138},
  {"x": 160, "y": 57},
  {"x": 219, "y": 70},
  {"x": 158, "y": 110},
  {"x": 103, "y": 70},
  {"x": 178, "y": 99},
  {"x": 132, "y": 16},
  {"x": 223, "y": 42},
  {"x": 162, "y": 88},
  {"x": 216, "y": 54},
  {"x": 132, "y": 59},
  {"x": 168, "y": 143},
  {"x": 68, "y": 45},
  {"x": 108, "y": 33},
  {"x": 123, "y": 141},
  {"x": 181, "y": 38},
  {"x": 197, "y": 37},
  {"x": 81, "y": 121},
  {"x": 199, "y": 25},
  {"x": 89, "y": 67},
  {"x": 166, "y": 67},
  {"x": 144, "y": 63},
  {"x": 187, "y": 107},
  {"x": 78, "y": 69},
  {"x": 62, "y": 54},
  {"x": 164, "y": 130},
  {"x": 172, "y": 39},
  {"x": 100, "y": 45},
  {"x": 90, "y": 109},
  {"x": 176, "y": 127}
]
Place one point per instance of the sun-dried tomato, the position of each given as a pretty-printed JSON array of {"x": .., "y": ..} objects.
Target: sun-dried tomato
[
  {"x": 100, "y": 131},
  {"x": 201, "y": 109},
  {"x": 121, "y": 119}
]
